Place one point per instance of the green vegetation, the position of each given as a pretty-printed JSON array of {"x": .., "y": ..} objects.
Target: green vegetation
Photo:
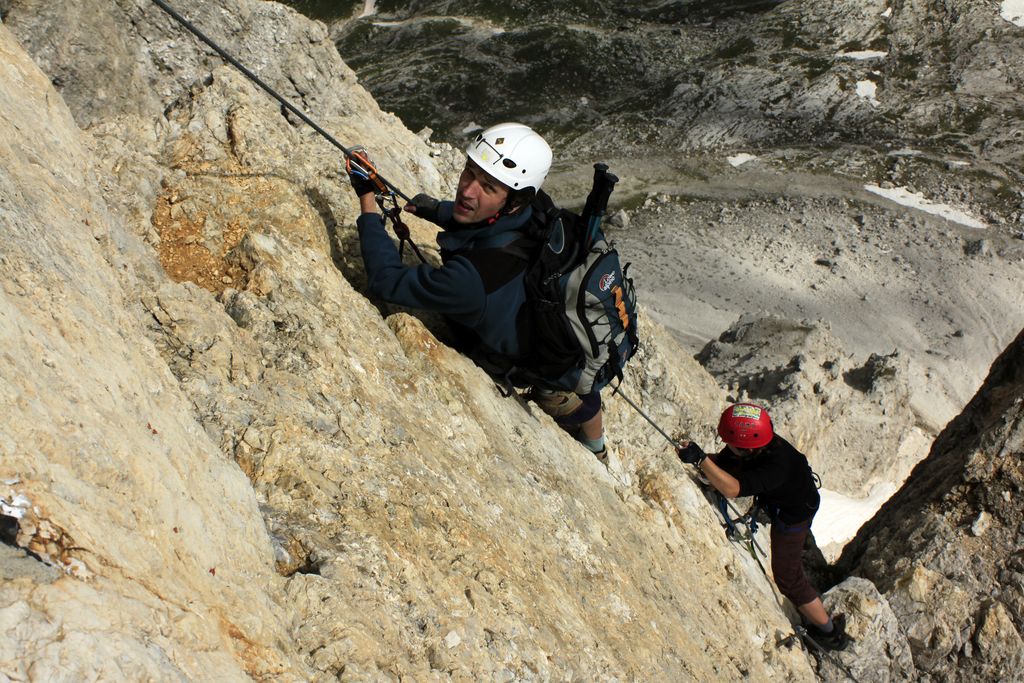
[
  {"x": 741, "y": 48},
  {"x": 814, "y": 66},
  {"x": 971, "y": 117},
  {"x": 325, "y": 10},
  {"x": 881, "y": 43},
  {"x": 907, "y": 65},
  {"x": 791, "y": 38}
]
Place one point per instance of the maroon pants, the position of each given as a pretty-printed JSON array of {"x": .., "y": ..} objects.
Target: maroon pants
[{"x": 787, "y": 561}]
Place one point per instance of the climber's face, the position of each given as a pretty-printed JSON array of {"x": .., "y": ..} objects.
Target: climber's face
[
  {"x": 479, "y": 196},
  {"x": 743, "y": 452}
]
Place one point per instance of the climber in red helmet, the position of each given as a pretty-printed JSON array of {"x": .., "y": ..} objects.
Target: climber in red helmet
[{"x": 758, "y": 462}]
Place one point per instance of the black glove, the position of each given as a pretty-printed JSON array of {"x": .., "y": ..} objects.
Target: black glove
[
  {"x": 360, "y": 177},
  {"x": 424, "y": 206},
  {"x": 691, "y": 454}
]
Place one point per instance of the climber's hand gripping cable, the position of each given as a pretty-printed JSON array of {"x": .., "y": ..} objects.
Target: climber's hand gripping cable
[
  {"x": 365, "y": 179},
  {"x": 690, "y": 453}
]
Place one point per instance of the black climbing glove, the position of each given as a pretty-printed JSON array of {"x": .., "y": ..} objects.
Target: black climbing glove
[
  {"x": 360, "y": 177},
  {"x": 691, "y": 454},
  {"x": 424, "y": 206}
]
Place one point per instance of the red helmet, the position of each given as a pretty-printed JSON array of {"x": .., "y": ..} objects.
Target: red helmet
[{"x": 745, "y": 425}]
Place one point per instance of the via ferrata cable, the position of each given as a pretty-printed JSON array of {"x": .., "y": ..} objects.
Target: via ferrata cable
[{"x": 387, "y": 193}]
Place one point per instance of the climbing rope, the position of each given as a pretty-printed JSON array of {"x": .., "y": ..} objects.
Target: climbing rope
[
  {"x": 749, "y": 521},
  {"x": 618, "y": 390},
  {"x": 724, "y": 504}
]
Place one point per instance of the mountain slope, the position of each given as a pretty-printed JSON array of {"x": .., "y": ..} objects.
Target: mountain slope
[
  {"x": 956, "y": 583},
  {"x": 241, "y": 468}
]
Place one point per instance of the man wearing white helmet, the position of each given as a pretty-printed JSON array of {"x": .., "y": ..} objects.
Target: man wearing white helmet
[{"x": 479, "y": 288}]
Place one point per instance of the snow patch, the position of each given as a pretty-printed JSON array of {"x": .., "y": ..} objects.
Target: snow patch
[
  {"x": 738, "y": 160},
  {"x": 866, "y": 89},
  {"x": 862, "y": 54},
  {"x": 839, "y": 517},
  {"x": 916, "y": 200},
  {"x": 1013, "y": 11},
  {"x": 905, "y": 152},
  {"x": 369, "y": 8}
]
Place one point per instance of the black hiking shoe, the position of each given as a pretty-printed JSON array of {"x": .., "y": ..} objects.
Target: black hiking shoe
[{"x": 836, "y": 639}]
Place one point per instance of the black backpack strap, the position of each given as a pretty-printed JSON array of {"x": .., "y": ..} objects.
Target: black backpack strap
[
  {"x": 494, "y": 266},
  {"x": 524, "y": 248}
]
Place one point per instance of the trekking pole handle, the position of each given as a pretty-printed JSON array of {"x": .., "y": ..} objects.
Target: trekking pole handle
[
  {"x": 266, "y": 88},
  {"x": 597, "y": 200}
]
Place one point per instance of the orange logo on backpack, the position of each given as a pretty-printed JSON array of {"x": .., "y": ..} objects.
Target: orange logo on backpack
[{"x": 620, "y": 306}]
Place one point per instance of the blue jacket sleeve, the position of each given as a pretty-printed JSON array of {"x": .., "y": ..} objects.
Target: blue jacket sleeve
[{"x": 454, "y": 289}]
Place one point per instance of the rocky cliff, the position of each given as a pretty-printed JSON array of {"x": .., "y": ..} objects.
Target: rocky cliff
[
  {"x": 957, "y": 584},
  {"x": 221, "y": 461}
]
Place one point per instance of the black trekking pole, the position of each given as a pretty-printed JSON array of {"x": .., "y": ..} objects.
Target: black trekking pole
[
  {"x": 597, "y": 200},
  {"x": 371, "y": 172}
]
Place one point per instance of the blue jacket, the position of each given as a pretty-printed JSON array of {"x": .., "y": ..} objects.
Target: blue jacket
[{"x": 478, "y": 287}]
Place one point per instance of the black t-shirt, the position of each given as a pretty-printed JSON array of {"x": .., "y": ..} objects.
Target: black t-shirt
[{"x": 780, "y": 478}]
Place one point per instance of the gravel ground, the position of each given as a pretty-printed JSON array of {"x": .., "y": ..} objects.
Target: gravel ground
[{"x": 710, "y": 242}]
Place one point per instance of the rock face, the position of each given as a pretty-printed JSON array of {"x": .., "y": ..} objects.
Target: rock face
[
  {"x": 955, "y": 582},
  {"x": 878, "y": 650},
  {"x": 701, "y": 75},
  {"x": 940, "y": 72},
  {"x": 220, "y": 461},
  {"x": 106, "y": 473}
]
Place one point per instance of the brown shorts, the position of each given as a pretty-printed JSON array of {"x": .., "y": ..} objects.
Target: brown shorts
[{"x": 567, "y": 407}]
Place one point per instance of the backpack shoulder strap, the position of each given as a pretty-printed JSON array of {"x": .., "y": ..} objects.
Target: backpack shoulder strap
[{"x": 494, "y": 266}]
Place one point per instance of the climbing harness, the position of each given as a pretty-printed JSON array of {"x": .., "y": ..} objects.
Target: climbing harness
[
  {"x": 732, "y": 521},
  {"x": 733, "y": 532},
  {"x": 386, "y": 193}
]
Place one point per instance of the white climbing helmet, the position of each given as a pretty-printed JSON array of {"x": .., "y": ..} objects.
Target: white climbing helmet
[{"x": 513, "y": 154}]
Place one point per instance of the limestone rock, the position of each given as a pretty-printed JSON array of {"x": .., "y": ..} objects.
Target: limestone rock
[
  {"x": 955, "y": 589},
  {"x": 241, "y": 467},
  {"x": 878, "y": 649},
  {"x": 165, "y": 560}
]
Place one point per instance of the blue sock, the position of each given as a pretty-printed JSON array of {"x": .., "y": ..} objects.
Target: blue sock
[{"x": 595, "y": 445}]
